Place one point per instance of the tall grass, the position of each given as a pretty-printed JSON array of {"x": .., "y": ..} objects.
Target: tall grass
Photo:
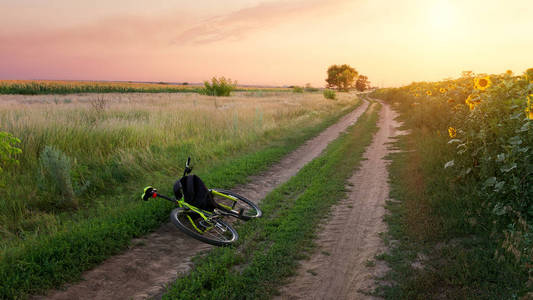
[{"x": 134, "y": 135}]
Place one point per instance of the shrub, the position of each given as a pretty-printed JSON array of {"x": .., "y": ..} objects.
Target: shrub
[
  {"x": 56, "y": 176},
  {"x": 297, "y": 89},
  {"x": 330, "y": 94},
  {"x": 219, "y": 87}
]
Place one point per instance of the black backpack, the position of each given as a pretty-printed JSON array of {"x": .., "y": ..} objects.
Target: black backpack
[{"x": 195, "y": 192}]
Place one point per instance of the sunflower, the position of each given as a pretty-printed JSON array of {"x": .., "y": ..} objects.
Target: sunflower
[
  {"x": 417, "y": 95},
  {"x": 451, "y": 87},
  {"x": 509, "y": 72},
  {"x": 452, "y": 132},
  {"x": 429, "y": 93},
  {"x": 451, "y": 101},
  {"x": 482, "y": 83},
  {"x": 471, "y": 102},
  {"x": 442, "y": 90}
]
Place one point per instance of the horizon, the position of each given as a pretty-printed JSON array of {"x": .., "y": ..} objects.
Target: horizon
[{"x": 262, "y": 42}]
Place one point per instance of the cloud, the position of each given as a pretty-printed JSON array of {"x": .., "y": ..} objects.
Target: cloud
[
  {"x": 237, "y": 24},
  {"x": 115, "y": 33}
]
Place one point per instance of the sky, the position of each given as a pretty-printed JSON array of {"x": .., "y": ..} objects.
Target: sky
[{"x": 264, "y": 42}]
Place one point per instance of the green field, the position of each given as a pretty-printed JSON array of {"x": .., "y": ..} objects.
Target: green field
[{"x": 108, "y": 154}]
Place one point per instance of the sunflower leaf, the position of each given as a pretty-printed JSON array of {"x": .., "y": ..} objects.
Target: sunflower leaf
[
  {"x": 454, "y": 141},
  {"x": 508, "y": 167},
  {"x": 515, "y": 140},
  {"x": 451, "y": 163}
]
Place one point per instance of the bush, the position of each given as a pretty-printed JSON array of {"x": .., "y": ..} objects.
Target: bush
[
  {"x": 56, "y": 178},
  {"x": 218, "y": 87},
  {"x": 330, "y": 94},
  {"x": 298, "y": 89}
]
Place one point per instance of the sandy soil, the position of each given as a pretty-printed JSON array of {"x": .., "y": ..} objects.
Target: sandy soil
[
  {"x": 343, "y": 267},
  {"x": 160, "y": 257}
]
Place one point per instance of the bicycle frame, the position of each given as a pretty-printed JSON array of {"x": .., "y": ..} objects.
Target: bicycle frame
[{"x": 206, "y": 215}]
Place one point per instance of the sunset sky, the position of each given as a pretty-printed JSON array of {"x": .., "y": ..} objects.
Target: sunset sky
[{"x": 271, "y": 42}]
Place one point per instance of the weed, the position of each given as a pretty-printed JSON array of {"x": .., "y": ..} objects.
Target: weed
[{"x": 99, "y": 104}]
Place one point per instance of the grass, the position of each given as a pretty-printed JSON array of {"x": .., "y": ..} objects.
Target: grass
[
  {"x": 37, "y": 257},
  {"x": 129, "y": 136},
  {"x": 266, "y": 253},
  {"x": 436, "y": 251}
]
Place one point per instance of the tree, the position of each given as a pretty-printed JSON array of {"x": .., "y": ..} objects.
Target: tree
[
  {"x": 362, "y": 83},
  {"x": 342, "y": 77}
]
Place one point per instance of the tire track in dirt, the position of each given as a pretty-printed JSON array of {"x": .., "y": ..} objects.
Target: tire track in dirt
[
  {"x": 159, "y": 258},
  {"x": 343, "y": 265}
]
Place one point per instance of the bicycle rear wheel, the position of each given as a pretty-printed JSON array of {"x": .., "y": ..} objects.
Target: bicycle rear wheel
[
  {"x": 249, "y": 209},
  {"x": 215, "y": 232}
]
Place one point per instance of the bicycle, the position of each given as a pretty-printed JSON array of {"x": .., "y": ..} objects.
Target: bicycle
[{"x": 200, "y": 210}]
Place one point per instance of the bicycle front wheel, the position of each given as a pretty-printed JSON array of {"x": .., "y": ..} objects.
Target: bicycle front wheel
[
  {"x": 239, "y": 206},
  {"x": 215, "y": 232}
]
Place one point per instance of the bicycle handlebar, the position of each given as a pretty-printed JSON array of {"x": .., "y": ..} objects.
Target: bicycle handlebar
[
  {"x": 188, "y": 168},
  {"x": 151, "y": 192}
]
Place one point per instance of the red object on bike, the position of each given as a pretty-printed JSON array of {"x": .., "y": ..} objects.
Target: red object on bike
[{"x": 154, "y": 195}]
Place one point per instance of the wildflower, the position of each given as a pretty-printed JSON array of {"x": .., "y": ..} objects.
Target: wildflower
[
  {"x": 452, "y": 132},
  {"x": 417, "y": 95},
  {"x": 429, "y": 93},
  {"x": 451, "y": 87},
  {"x": 482, "y": 83},
  {"x": 442, "y": 90},
  {"x": 509, "y": 72},
  {"x": 451, "y": 101}
]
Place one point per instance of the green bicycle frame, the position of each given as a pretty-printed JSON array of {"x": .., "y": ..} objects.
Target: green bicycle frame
[
  {"x": 225, "y": 196},
  {"x": 204, "y": 214}
]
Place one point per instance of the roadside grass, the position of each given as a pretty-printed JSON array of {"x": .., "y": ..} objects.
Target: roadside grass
[
  {"x": 269, "y": 248},
  {"x": 436, "y": 251},
  {"x": 83, "y": 239}
]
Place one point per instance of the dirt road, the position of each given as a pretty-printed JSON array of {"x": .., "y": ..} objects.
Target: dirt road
[
  {"x": 157, "y": 259},
  {"x": 343, "y": 264}
]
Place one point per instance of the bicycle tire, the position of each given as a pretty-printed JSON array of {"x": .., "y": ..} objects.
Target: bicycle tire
[
  {"x": 178, "y": 217},
  {"x": 251, "y": 210}
]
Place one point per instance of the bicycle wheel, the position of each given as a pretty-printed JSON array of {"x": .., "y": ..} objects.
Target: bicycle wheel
[
  {"x": 215, "y": 232},
  {"x": 249, "y": 209}
]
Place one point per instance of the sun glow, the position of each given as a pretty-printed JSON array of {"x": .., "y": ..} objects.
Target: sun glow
[{"x": 442, "y": 16}]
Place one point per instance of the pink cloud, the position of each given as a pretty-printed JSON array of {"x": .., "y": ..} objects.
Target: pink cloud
[{"x": 237, "y": 24}]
